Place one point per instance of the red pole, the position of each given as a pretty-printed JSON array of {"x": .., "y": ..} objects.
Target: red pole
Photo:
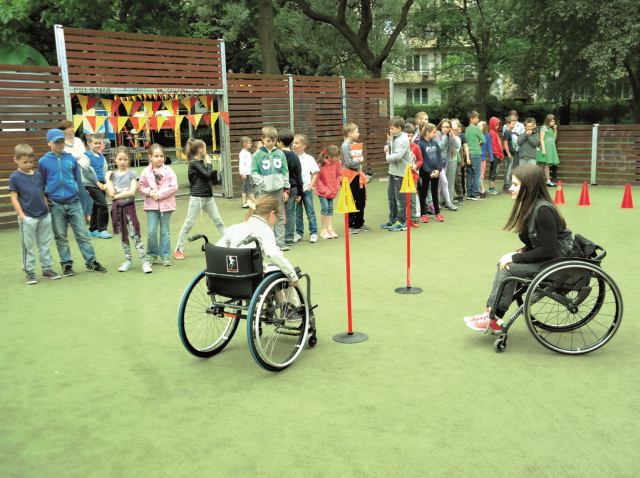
[
  {"x": 408, "y": 240},
  {"x": 346, "y": 235}
]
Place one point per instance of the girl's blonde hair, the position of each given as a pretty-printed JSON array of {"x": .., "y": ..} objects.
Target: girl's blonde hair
[
  {"x": 484, "y": 127},
  {"x": 123, "y": 150},
  {"x": 426, "y": 129},
  {"x": 265, "y": 205},
  {"x": 243, "y": 141},
  {"x": 443, "y": 121},
  {"x": 548, "y": 120},
  {"x": 156, "y": 146},
  {"x": 193, "y": 146},
  {"x": 257, "y": 145},
  {"x": 331, "y": 152}
]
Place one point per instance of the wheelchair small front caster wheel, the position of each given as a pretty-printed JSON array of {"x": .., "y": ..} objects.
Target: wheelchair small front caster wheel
[
  {"x": 499, "y": 345},
  {"x": 312, "y": 341}
]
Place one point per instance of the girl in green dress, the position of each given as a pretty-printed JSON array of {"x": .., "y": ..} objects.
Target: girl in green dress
[{"x": 547, "y": 153}]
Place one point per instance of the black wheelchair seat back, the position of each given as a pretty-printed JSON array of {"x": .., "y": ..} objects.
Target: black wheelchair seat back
[{"x": 233, "y": 272}]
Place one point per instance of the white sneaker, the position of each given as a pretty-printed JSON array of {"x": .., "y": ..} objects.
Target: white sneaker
[
  {"x": 480, "y": 317},
  {"x": 314, "y": 238},
  {"x": 126, "y": 266},
  {"x": 146, "y": 268},
  {"x": 284, "y": 248},
  {"x": 245, "y": 205},
  {"x": 297, "y": 238}
]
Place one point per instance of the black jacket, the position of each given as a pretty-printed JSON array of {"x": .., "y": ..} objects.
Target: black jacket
[
  {"x": 201, "y": 177},
  {"x": 295, "y": 171}
]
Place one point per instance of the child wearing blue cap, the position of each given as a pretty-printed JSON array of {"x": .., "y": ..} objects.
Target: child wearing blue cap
[{"x": 61, "y": 175}]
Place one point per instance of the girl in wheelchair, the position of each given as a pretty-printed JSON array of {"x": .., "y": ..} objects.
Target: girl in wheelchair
[{"x": 542, "y": 229}]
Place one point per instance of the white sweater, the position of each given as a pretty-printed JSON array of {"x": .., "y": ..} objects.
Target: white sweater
[
  {"x": 257, "y": 227},
  {"x": 245, "y": 162}
]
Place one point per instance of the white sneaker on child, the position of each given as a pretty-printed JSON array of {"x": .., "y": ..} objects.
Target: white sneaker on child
[
  {"x": 314, "y": 238},
  {"x": 146, "y": 268},
  {"x": 297, "y": 237},
  {"x": 126, "y": 266}
]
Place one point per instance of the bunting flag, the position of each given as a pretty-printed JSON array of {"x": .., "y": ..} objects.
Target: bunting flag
[
  {"x": 127, "y": 105},
  {"x": 77, "y": 121},
  {"x": 99, "y": 122},
  {"x": 135, "y": 106},
  {"x": 111, "y": 106},
  {"x": 148, "y": 105},
  {"x": 207, "y": 118},
  {"x": 171, "y": 122},
  {"x": 176, "y": 107},
  {"x": 92, "y": 122},
  {"x": 206, "y": 100},
  {"x": 155, "y": 105},
  {"x": 160, "y": 122},
  {"x": 214, "y": 118},
  {"x": 73, "y": 95},
  {"x": 169, "y": 105},
  {"x": 118, "y": 122},
  {"x": 142, "y": 120},
  {"x": 189, "y": 103},
  {"x": 156, "y": 122},
  {"x": 225, "y": 116},
  {"x": 86, "y": 102},
  {"x": 114, "y": 122},
  {"x": 178, "y": 121},
  {"x": 192, "y": 120},
  {"x": 121, "y": 121}
]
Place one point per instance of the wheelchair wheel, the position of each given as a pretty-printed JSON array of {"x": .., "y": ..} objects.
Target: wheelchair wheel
[
  {"x": 204, "y": 329},
  {"x": 573, "y": 308},
  {"x": 274, "y": 342}
]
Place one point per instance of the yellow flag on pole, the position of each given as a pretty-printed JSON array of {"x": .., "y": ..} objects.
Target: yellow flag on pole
[
  {"x": 346, "y": 203},
  {"x": 408, "y": 186}
]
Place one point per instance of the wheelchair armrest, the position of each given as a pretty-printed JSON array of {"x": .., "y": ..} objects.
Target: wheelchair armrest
[{"x": 297, "y": 271}]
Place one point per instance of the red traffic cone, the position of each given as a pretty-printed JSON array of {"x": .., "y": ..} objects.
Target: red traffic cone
[
  {"x": 584, "y": 196},
  {"x": 627, "y": 200},
  {"x": 559, "y": 194}
]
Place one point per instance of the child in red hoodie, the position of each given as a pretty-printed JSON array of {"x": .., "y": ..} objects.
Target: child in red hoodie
[
  {"x": 494, "y": 126},
  {"x": 416, "y": 163},
  {"x": 327, "y": 186}
]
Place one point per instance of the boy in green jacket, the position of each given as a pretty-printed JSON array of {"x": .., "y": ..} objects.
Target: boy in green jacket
[{"x": 475, "y": 140}]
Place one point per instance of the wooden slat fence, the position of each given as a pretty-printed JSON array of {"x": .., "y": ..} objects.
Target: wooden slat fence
[
  {"x": 31, "y": 102},
  {"x": 99, "y": 59}
]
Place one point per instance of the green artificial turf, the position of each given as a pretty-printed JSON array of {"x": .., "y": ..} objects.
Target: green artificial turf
[{"x": 95, "y": 381}]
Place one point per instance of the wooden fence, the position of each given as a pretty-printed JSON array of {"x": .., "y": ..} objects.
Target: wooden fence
[{"x": 31, "y": 102}]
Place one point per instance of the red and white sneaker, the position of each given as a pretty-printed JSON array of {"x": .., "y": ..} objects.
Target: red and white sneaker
[
  {"x": 424, "y": 218},
  {"x": 439, "y": 218},
  {"x": 415, "y": 224},
  {"x": 179, "y": 255},
  {"x": 481, "y": 325},
  {"x": 483, "y": 316}
]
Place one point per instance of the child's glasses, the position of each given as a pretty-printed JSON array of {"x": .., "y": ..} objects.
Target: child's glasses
[{"x": 279, "y": 218}]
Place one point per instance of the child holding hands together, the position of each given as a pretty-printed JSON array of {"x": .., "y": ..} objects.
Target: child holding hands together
[{"x": 327, "y": 186}]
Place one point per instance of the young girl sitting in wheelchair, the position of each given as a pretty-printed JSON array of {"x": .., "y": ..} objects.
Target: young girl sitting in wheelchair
[{"x": 541, "y": 228}]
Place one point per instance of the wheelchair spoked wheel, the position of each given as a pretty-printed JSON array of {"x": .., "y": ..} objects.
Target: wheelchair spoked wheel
[
  {"x": 274, "y": 342},
  {"x": 574, "y": 308},
  {"x": 205, "y": 329}
]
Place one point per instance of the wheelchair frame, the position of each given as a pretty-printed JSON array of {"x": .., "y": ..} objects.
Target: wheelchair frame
[{"x": 522, "y": 288}]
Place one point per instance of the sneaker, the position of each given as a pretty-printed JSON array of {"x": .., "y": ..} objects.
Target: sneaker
[
  {"x": 473, "y": 198},
  {"x": 50, "y": 274},
  {"x": 294, "y": 317},
  {"x": 313, "y": 238},
  {"x": 432, "y": 209},
  {"x": 332, "y": 233},
  {"x": 439, "y": 218},
  {"x": 297, "y": 237},
  {"x": 179, "y": 255},
  {"x": 415, "y": 224},
  {"x": 550, "y": 184},
  {"x": 284, "y": 247},
  {"x": 451, "y": 207},
  {"x": 97, "y": 267},
  {"x": 493, "y": 192},
  {"x": 325, "y": 235},
  {"x": 398, "y": 226},
  {"x": 481, "y": 197},
  {"x": 455, "y": 201},
  {"x": 506, "y": 191},
  {"x": 146, "y": 268},
  {"x": 483, "y": 316},
  {"x": 424, "y": 219},
  {"x": 104, "y": 235},
  {"x": 126, "y": 266},
  {"x": 245, "y": 206},
  {"x": 353, "y": 230},
  {"x": 288, "y": 243},
  {"x": 481, "y": 324},
  {"x": 364, "y": 228},
  {"x": 152, "y": 259},
  {"x": 68, "y": 271},
  {"x": 484, "y": 193},
  {"x": 166, "y": 261},
  {"x": 94, "y": 234},
  {"x": 31, "y": 278},
  {"x": 386, "y": 225}
]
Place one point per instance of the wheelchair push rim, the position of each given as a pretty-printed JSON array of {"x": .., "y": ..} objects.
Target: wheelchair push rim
[
  {"x": 574, "y": 308},
  {"x": 205, "y": 328},
  {"x": 274, "y": 343}
]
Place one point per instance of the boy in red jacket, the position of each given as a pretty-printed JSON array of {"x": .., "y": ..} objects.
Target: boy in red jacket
[
  {"x": 496, "y": 144},
  {"x": 416, "y": 162}
]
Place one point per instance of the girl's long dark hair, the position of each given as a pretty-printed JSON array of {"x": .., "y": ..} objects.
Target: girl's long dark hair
[{"x": 532, "y": 187}]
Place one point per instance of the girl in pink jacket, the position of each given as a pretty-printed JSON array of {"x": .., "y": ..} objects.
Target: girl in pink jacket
[
  {"x": 158, "y": 183},
  {"x": 327, "y": 186}
]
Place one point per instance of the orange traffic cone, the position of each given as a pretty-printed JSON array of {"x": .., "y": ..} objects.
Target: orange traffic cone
[
  {"x": 627, "y": 200},
  {"x": 559, "y": 194},
  {"x": 584, "y": 196}
]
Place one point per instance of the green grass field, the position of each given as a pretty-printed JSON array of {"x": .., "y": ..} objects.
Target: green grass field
[{"x": 95, "y": 381}]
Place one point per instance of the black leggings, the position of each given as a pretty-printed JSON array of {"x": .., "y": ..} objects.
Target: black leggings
[{"x": 423, "y": 189}]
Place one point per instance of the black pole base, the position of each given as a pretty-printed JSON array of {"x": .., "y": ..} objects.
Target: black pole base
[
  {"x": 353, "y": 338},
  {"x": 409, "y": 290}
]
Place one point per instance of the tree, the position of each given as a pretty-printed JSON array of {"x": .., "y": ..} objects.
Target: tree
[
  {"x": 264, "y": 28},
  {"x": 364, "y": 13},
  {"x": 472, "y": 33}
]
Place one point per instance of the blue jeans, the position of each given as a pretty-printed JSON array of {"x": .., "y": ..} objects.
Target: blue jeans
[
  {"x": 326, "y": 206},
  {"x": 307, "y": 203},
  {"x": 163, "y": 219},
  {"x": 397, "y": 200},
  {"x": 508, "y": 166},
  {"x": 71, "y": 213},
  {"x": 473, "y": 174}
]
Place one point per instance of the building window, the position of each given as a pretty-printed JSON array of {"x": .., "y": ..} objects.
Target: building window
[
  {"x": 418, "y": 96},
  {"x": 416, "y": 62}
]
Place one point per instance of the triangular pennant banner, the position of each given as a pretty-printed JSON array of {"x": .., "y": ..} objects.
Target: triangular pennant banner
[
  {"x": 92, "y": 122},
  {"x": 187, "y": 104},
  {"x": 121, "y": 121},
  {"x": 99, "y": 122},
  {"x": 214, "y": 118},
  {"x": 178, "y": 121},
  {"x": 127, "y": 106},
  {"x": 77, "y": 121},
  {"x": 192, "y": 120},
  {"x": 346, "y": 203},
  {"x": 91, "y": 102},
  {"x": 107, "y": 105},
  {"x": 197, "y": 118},
  {"x": 142, "y": 120},
  {"x": 135, "y": 107},
  {"x": 171, "y": 122},
  {"x": 155, "y": 105},
  {"x": 176, "y": 107},
  {"x": 169, "y": 105},
  {"x": 203, "y": 98},
  {"x": 225, "y": 116},
  {"x": 73, "y": 95},
  {"x": 153, "y": 122},
  {"x": 207, "y": 118},
  {"x": 114, "y": 123},
  {"x": 160, "y": 122},
  {"x": 148, "y": 105},
  {"x": 114, "y": 106},
  {"x": 83, "y": 102}
]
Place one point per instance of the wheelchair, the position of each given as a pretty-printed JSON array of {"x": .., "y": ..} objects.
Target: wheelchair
[
  {"x": 234, "y": 286},
  {"x": 571, "y": 306}
]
